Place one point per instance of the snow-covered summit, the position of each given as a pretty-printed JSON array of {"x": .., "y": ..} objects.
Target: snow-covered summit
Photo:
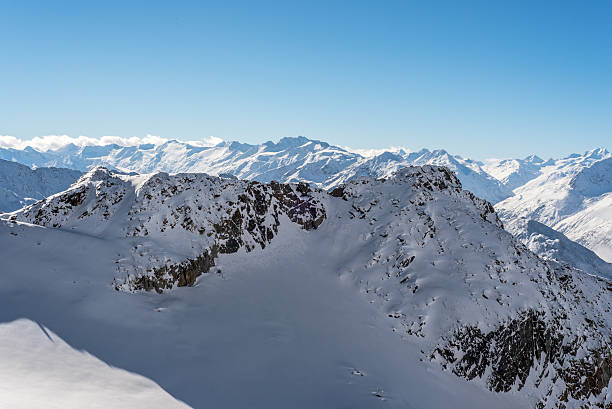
[
  {"x": 427, "y": 258},
  {"x": 291, "y": 159},
  {"x": 553, "y": 245},
  {"x": 513, "y": 173},
  {"x": 522, "y": 184},
  {"x": 573, "y": 196}
]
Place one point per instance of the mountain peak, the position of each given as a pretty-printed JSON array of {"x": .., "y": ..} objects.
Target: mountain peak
[
  {"x": 597, "y": 153},
  {"x": 533, "y": 159},
  {"x": 96, "y": 174},
  {"x": 290, "y": 142}
]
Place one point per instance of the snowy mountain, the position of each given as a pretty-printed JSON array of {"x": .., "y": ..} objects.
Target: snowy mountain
[
  {"x": 513, "y": 173},
  {"x": 289, "y": 160},
  {"x": 552, "y": 245},
  {"x": 529, "y": 188},
  {"x": 20, "y": 185},
  {"x": 395, "y": 292},
  {"x": 571, "y": 195}
]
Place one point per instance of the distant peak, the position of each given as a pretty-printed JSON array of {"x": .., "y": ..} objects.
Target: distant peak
[
  {"x": 294, "y": 139},
  {"x": 289, "y": 142},
  {"x": 387, "y": 155},
  {"x": 440, "y": 152},
  {"x": 423, "y": 151},
  {"x": 597, "y": 152},
  {"x": 66, "y": 148},
  {"x": 96, "y": 173},
  {"x": 534, "y": 159},
  {"x": 238, "y": 146}
]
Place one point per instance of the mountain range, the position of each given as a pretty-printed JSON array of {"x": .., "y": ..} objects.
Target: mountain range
[
  {"x": 571, "y": 195},
  {"x": 397, "y": 291},
  {"x": 289, "y": 160}
]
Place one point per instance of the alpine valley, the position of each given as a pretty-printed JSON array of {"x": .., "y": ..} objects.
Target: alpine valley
[{"x": 301, "y": 274}]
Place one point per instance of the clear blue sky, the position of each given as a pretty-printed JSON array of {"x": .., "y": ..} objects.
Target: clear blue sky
[{"x": 481, "y": 79}]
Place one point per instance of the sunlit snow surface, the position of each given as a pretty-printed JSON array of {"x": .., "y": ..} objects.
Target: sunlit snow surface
[
  {"x": 346, "y": 315},
  {"x": 40, "y": 370},
  {"x": 277, "y": 328},
  {"x": 571, "y": 195},
  {"x": 302, "y": 323}
]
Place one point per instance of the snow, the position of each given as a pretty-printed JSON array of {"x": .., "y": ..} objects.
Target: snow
[
  {"x": 514, "y": 172},
  {"x": 553, "y": 245},
  {"x": 396, "y": 267},
  {"x": 40, "y": 370},
  {"x": 571, "y": 195},
  {"x": 257, "y": 335},
  {"x": 289, "y": 160},
  {"x": 20, "y": 185}
]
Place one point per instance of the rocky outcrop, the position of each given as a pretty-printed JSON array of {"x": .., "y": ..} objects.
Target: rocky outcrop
[
  {"x": 96, "y": 193},
  {"x": 166, "y": 277},
  {"x": 529, "y": 349},
  {"x": 248, "y": 219}
]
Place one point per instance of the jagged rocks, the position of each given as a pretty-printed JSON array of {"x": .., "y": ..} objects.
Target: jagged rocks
[
  {"x": 510, "y": 351},
  {"x": 227, "y": 215},
  {"x": 214, "y": 215},
  {"x": 181, "y": 275},
  {"x": 530, "y": 346}
]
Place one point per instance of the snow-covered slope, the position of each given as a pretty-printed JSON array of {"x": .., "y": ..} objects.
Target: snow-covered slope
[
  {"x": 469, "y": 172},
  {"x": 513, "y": 173},
  {"x": 540, "y": 187},
  {"x": 379, "y": 293},
  {"x": 20, "y": 185},
  {"x": 289, "y": 160},
  {"x": 571, "y": 195},
  {"x": 552, "y": 245},
  {"x": 39, "y": 370}
]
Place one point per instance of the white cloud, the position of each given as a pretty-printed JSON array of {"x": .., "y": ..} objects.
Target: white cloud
[
  {"x": 7, "y": 141},
  {"x": 210, "y": 141},
  {"x": 53, "y": 142},
  {"x": 213, "y": 140}
]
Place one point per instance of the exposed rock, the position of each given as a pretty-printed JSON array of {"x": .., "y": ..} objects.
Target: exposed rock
[
  {"x": 166, "y": 277},
  {"x": 528, "y": 346}
]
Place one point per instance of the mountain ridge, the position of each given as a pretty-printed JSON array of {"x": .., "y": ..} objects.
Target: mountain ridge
[
  {"x": 430, "y": 258},
  {"x": 21, "y": 185},
  {"x": 509, "y": 184}
]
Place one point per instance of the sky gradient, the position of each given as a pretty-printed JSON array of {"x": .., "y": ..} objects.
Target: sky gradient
[{"x": 480, "y": 79}]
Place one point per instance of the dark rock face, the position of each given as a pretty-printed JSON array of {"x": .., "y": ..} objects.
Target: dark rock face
[
  {"x": 182, "y": 274},
  {"x": 487, "y": 211},
  {"x": 528, "y": 344},
  {"x": 510, "y": 351},
  {"x": 337, "y": 192},
  {"x": 260, "y": 201},
  {"x": 442, "y": 179}
]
